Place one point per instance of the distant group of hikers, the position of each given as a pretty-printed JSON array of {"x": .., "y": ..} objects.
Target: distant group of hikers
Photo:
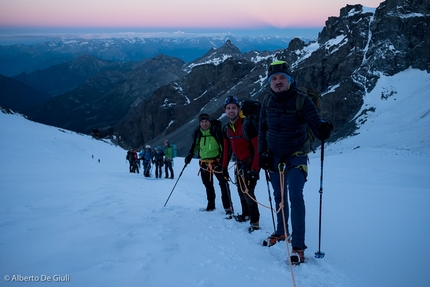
[
  {"x": 278, "y": 140},
  {"x": 158, "y": 158}
]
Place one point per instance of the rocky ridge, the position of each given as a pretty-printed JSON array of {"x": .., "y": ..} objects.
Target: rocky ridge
[
  {"x": 159, "y": 98},
  {"x": 344, "y": 63}
]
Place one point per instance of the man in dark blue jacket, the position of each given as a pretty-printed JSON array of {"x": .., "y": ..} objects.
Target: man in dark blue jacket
[
  {"x": 146, "y": 157},
  {"x": 283, "y": 145}
]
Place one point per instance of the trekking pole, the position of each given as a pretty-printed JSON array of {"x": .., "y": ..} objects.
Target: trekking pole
[
  {"x": 270, "y": 199},
  {"x": 175, "y": 184},
  {"x": 320, "y": 254}
]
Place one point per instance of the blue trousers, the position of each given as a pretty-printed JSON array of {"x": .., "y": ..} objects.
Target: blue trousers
[{"x": 294, "y": 181}]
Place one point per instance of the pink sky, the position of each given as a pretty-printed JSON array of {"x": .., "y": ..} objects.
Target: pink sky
[{"x": 235, "y": 14}]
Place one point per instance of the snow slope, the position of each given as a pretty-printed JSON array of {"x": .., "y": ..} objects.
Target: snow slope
[{"x": 65, "y": 216}]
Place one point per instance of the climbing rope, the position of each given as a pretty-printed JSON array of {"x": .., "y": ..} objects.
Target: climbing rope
[
  {"x": 282, "y": 170},
  {"x": 209, "y": 166}
]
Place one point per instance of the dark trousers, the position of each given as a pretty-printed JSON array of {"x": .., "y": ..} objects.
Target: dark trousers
[
  {"x": 146, "y": 167},
  {"x": 158, "y": 170},
  {"x": 247, "y": 200},
  {"x": 249, "y": 206},
  {"x": 133, "y": 166},
  {"x": 208, "y": 182},
  {"x": 168, "y": 167}
]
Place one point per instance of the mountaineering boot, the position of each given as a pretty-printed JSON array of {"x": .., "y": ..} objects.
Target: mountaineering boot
[
  {"x": 241, "y": 217},
  {"x": 298, "y": 256},
  {"x": 229, "y": 213},
  {"x": 274, "y": 238},
  {"x": 254, "y": 226},
  {"x": 208, "y": 209}
]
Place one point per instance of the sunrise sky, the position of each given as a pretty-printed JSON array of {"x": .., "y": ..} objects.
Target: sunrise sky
[
  {"x": 245, "y": 17},
  {"x": 222, "y": 14}
]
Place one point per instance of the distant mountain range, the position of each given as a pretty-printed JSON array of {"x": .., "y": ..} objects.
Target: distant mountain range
[
  {"x": 19, "y": 58},
  {"x": 160, "y": 97}
]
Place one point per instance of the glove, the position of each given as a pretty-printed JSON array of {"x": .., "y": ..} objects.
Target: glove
[
  {"x": 325, "y": 128},
  {"x": 188, "y": 158},
  {"x": 265, "y": 161},
  {"x": 225, "y": 174}
]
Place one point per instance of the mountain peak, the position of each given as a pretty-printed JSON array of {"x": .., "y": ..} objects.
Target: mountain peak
[
  {"x": 217, "y": 56},
  {"x": 229, "y": 48}
]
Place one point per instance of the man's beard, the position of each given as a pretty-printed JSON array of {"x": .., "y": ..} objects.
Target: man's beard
[{"x": 235, "y": 118}]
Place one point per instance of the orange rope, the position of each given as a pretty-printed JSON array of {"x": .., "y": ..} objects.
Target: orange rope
[
  {"x": 209, "y": 166},
  {"x": 281, "y": 205},
  {"x": 242, "y": 183}
]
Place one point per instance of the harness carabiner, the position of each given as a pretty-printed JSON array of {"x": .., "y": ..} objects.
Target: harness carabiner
[{"x": 282, "y": 167}]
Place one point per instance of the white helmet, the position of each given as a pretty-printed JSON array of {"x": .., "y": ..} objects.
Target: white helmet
[{"x": 147, "y": 146}]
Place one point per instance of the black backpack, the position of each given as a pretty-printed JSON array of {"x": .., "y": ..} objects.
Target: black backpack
[
  {"x": 315, "y": 96},
  {"x": 251, "y": 110},
  {"x": 215, "y": 124}
]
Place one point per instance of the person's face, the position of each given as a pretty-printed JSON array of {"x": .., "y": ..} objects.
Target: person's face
[
  {"x": 232, "y": 112},
  {"x": 204, "y": 124},
  {"x": 279, "y": 83}
]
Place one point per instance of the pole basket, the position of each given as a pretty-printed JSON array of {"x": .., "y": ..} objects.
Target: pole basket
[{"x": 319, "y": 254}]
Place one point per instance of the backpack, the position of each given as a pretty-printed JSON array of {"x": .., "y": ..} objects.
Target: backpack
[
  {"x": 251, "y": 110},
  {"x": 302, "y": 93},
  {"x": 174, "y": 151},
  {"x": 315, "y": 96},
  {"x": 216, "y": 124},
  {"x": 129, "y": 155}
]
